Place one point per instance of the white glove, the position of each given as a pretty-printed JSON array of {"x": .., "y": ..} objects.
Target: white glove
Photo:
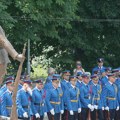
[
  {"x": 45, "y": 114},
  {"x": 71, "y": 112},
  {"x": 103, "y": 108},
  {"x": 92, "y": 108},
  {"x": 37, "y": 115},
  {"x": 25, "y": 115},
  {"x": 89, "y": 106},
  {"x": 29, "y": 90},
  {"x": 52, "y": 111},
  {"x": 96, "y": 107},
  {"x": 107, "y": 108},
  {"x": 62, "y": 111},
  {"x": 79, "y": 110},
  {"x": 117, "y": 108}
]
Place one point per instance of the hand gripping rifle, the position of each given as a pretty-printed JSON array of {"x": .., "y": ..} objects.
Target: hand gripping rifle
[{"x": 14, "y": 115}]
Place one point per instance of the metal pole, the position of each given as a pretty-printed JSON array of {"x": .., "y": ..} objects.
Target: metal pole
[{"x": 28, "y": 60}]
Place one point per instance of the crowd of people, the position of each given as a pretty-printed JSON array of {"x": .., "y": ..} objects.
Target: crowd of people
[{"x": 81, "y": 96}]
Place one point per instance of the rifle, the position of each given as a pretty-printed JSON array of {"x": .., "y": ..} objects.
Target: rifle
[{"x": 14, "y": 115}]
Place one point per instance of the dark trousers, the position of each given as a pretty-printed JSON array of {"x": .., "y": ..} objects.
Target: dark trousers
[
  {"x": 74, "y": 116},
  {"x": 53, "y": 117},
  {"x": 112, "y": 114},
  {"x": 117, "y": 115},
  {"x": 97, "y": 114},
  {"x": 79, "y": 116},
  {"x": 65, "y": 115},
  {"x": 85, "y": 112},
  {"x": 41, "y": 118}
]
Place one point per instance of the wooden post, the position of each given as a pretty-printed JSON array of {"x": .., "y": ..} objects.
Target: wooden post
[{"x": 14, "y": 115}]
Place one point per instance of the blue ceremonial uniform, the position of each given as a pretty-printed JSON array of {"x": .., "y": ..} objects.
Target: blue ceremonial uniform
[
  {"x": 49, "y": 79},
  {"x": 6, "y": 103},
  {"x": 79, "y": 84},
  {"x": 38, "y": 101},
  {"x": 117, "y": 82},
  {"x": 65, "y": 86},
  {"x": 109, "y": 95},
  {"x": 73, "y": 98},
  {"x": 85, "y": 95},
  {"x": 104, "y": 80},
  {"x": 98, "y": 69},
  {"x": 53, "y": 100},
  {"x": 20, "y": 86},
  {"x": 23, "y": 103}
]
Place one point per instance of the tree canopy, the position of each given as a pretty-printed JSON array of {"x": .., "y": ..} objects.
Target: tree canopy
[{"x": 75, "y": 29}]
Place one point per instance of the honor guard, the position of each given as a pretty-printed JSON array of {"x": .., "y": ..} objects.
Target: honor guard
[
  {"x": 24, "y": 97},
  {"x": 96, "y": 99},
  {"x": 73, "y": 100},
  {"x": 6, "y": 99},
  {"x": 20, "y": 85},
  {"x": 85, "y": 97},
  {"x": 109, "y": 95},
  {"x": 104, "y": 78},
  {"x": 53, "y": 101},
  {"x": 38, "y": 101},
  {"x": 65, "y": 84},
  {"x": 117, "y": 82},
  {"x": 99, "y": 67},
  {"x": 79, "y": 80},
  {"x": 48, "y": 85}
]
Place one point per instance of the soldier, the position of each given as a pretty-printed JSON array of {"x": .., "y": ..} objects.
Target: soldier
[
  {"x": 38, "y": 101},
  {"x": 65, "y": 84},
  {"x": 96, "y": 99},
  {"x": 73, "y": 100},
  {"x": 48, "y": 85},
  {"x": 117, "y": 82},
  {"x": 79, "y": 85},
  {"x": 5, "y": 48},
  {"x": 79, "y": 80},
  {"x": 24, "y": 97},
  {"x": 53, "y": 101},
  {"x": 104, "y": 78},
  {"x": 21, "y": 81},
  {"x": 6, "y": 99},
  {"x": 109, "y": 95},
  {"x": 99, "y": 67},
  {"x": 85, "y": 97}
]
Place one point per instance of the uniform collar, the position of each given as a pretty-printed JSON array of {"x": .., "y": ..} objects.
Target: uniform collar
[
  {"x": 38, "y": 89},
  {"x": 84, "y": 83},
  {"x": 111, "y": 83},
  {"x": 79, "y": 81},
  {"x": 66, "y": 81},
  {"x": 94, "y": 84},
  {"x": 73, "y": 86},
  {"x": 9, "y": 91}
]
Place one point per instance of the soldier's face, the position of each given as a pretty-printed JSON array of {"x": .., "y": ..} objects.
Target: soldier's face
[
  {"x": 112, "y": 79},
  {"x": 73, "y": 82},
  {"x": 95, "y": 81},
  {"x": 80, "y": 78},
  {"x": 55, "y": 84},
  {"x": 39, "y": 85},
  {"x": 66, "y": 77},
  {"x": 100, "y": 64},
  {"x": 10, "y": 87},
  {"x": 86, "y": 80}
]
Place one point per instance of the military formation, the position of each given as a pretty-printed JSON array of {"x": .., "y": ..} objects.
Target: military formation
[{"x": 81, "y": 96}]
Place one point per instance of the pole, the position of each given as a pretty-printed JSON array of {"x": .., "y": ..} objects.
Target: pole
[{"x": 28, "y": 60}]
